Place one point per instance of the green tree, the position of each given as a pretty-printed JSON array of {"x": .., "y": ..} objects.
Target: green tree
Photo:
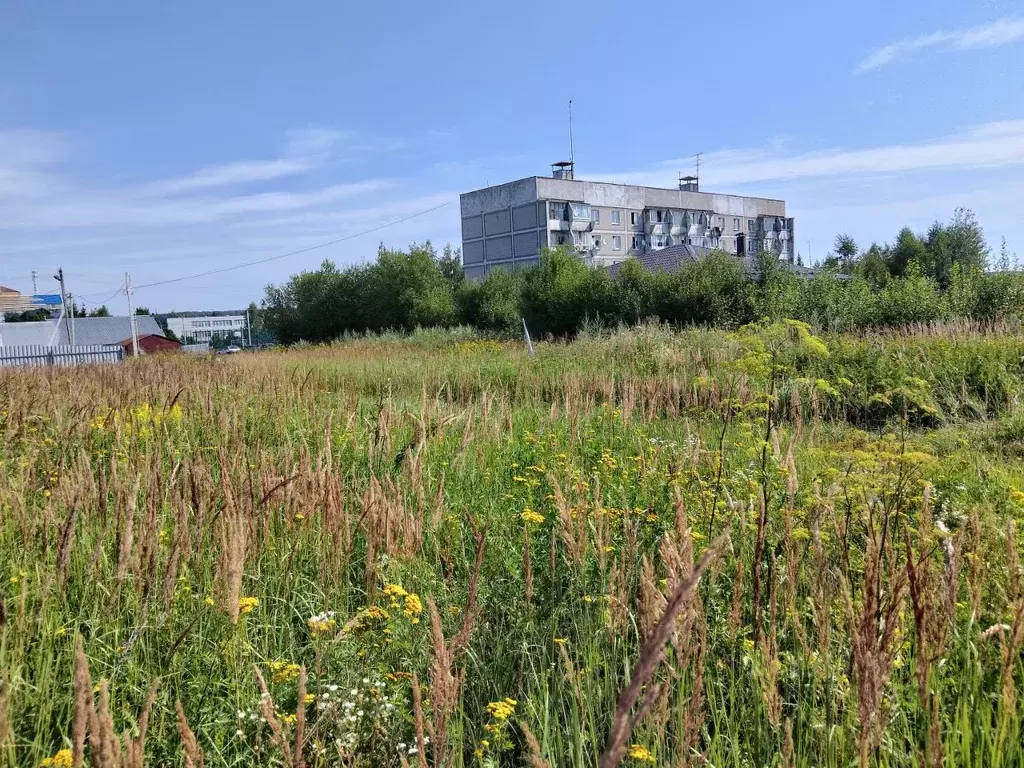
[
  {"x": 873, "y": 267},
  {"x": 562, "y": 292},
  {"x": 29, "y": 316},
  {"x": 450, "y": 264},
  {"x": 100, "y": 311},
  {"x": 913, "y": 298},
  {"x": 142, "y": 310},
  {"x": 631, "y": 293},
  {"x": 845, "y": 254},
  {"x": 909, "y": 248},
  {"x": 713, "y": 291},
  {"x": 494, "y": 304},
  {"x": 967, "y": 246}
]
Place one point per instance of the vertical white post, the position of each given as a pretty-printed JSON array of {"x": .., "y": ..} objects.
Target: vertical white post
[
  {"x": 526, "y": 333},
  {"x": 131, "y": 314}
]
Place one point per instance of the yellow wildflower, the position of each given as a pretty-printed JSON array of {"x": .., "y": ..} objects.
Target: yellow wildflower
[
  {"x": 641, "y": 754},
  {"x": 284, "y": 671},
  {"x": 502, "y": 710},
  {"x": 413, "y": 608},
  {"x": 62, "y": 759},
  {"x": 321, "y": 623},
  {"x": 247, "y": 605},
  {"x": 561, "y": 640},
  {"x": 529, "y": 516}
]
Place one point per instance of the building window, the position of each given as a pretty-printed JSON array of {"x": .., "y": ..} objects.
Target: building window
[
  {"x": 558, "y": 212},
  {"x": 595, "y": 215},
  {"x": 597, "y": 241},
  {"x": 581, "y": 211},
  {"x": 616, "y": 217},
  {"x": 633, "y": 218},
  {"x": 616, "y": 242},
  {"x": 638, "y": 243},
  {"x": 735, "y": 225}
]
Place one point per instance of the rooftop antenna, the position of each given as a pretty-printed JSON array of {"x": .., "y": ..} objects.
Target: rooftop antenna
[
  {"x": 572, "y": 159},
  {"x": 697, "y": 163}
]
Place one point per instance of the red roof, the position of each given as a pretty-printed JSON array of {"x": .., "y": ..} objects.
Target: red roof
[{"x": 151, "y": 343}]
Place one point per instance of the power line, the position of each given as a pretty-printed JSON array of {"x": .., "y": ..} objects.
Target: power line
[{"x": 243, "y": 265}]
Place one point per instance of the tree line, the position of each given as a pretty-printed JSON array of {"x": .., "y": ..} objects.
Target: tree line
[{"x": 945, "y": 273}]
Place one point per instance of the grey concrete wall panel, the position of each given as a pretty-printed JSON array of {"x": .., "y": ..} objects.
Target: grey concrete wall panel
[
  {"x": 527, "y": 244},
  {"x": 524, "y": 217},
  {"x": 608, "y": 195},
  {"x": 497, "y": 223},
  {"x": 472, "y": 227},
  {"x": 501, "y": 197},
  {"x": 473, "y": 253},
  {"x": 498, "y": 248}
]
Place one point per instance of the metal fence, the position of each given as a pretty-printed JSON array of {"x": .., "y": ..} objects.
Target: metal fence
[{"x": 41, "y": 355}]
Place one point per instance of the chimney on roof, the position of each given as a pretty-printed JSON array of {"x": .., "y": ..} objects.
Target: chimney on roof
[
  {"x": 563, "y": 169},
  {"x": 689, "y": 184}
]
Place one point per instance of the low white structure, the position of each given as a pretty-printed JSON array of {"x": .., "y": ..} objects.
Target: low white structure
[
  {"x": 201, "y": 330},
  {"x": 79, "y": 331}
]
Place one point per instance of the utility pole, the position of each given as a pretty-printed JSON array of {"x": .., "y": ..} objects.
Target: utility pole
[
  {"x": 248, "y": 326},
  {"x": 35, "y": 289},
  {"x": 131, "y": 314},
  {"x": 69, "y": 312}
]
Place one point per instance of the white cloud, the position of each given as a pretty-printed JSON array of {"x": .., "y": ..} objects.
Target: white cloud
[
  {"x": 232, "y": 173},
  {"x": 998, "y": 144},
  {"x": 1002, "y": 32},
  {"x": 223, "y": 214}
]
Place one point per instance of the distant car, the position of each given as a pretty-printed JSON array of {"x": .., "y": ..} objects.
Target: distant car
[{"x": 232, "y": 350}]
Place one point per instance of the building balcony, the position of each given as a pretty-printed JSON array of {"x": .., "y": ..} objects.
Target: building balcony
[
  {"x": 558, "y": 225},
  {"x": 580, "y": 225},
  {"x": 658, "y": 227}
]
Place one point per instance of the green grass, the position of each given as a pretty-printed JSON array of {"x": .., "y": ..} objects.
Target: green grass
[{"x": 319, "y": 452}]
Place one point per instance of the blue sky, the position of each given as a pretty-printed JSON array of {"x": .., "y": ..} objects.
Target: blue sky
[{"x": 167, "y": 139}]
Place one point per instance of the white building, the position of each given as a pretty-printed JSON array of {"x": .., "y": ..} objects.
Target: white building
[{"x": 201, "y": 330}]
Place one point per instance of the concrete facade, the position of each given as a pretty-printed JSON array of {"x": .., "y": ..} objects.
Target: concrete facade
[
  {"x": 507, "y": 225},
  {"x": 203, "y": 329}
]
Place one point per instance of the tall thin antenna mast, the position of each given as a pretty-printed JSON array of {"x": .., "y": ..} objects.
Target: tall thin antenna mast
[
  {"x": 572, "y": 159},
  {"x": 697, "y": 162}
]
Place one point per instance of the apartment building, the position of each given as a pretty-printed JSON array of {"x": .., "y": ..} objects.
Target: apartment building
[
  {"x": 507, "y": 225},
  {"x": 200, "y": 330}
]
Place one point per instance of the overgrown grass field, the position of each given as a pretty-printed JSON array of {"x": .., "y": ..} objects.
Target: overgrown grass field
[{"x": 760, "y": 548}]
